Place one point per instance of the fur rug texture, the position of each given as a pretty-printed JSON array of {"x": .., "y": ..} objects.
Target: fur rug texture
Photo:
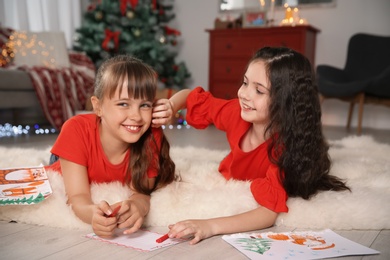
[{"x": 202, "y": 192}]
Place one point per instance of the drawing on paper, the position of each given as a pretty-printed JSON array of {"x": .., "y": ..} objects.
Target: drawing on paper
[
  {"x": 295, "y": 245},
  {"x": 142, "y": 240},
  {"x": 25, "y": 185}
]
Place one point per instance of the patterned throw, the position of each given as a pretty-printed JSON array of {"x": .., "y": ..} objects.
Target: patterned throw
[{"x": 63, "y": 91}]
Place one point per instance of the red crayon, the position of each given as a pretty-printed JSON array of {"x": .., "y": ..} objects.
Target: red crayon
[
  {"x": 114, "y": 212},
  {"x": 162, "y": 239}
]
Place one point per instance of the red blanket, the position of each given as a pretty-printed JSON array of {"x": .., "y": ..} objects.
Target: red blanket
[{"x": 62, "y": 92}]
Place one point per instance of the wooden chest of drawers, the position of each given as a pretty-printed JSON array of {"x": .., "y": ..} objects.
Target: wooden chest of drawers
[{"x": 231, "y": 49}]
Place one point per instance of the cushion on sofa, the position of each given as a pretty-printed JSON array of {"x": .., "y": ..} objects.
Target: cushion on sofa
[{"x": 46, "y": 49}]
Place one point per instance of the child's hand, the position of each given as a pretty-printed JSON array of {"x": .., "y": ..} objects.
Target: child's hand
[
  {"x": 162, "y": 112},
  {"x": 198, "y": 229},
  {"x": 102, "y": 224},
  {"x": 132, "y": 216}
]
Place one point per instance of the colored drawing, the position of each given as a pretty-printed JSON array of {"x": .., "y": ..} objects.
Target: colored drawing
[
  {"x": 28, "y": 185},
  {"x": 295, "y": 245}
]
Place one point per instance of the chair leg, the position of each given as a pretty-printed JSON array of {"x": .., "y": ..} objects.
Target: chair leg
[
  {"x": 350, "y": 112},
  {"x": 360, "y": 119}
]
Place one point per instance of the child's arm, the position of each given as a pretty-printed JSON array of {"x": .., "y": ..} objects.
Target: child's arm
[
  {"x": 78, "y": 191},
  {"x": 201, "y": 229},
  {"x": 164, "y": 110},
  {"x": 179, "y": 99}
]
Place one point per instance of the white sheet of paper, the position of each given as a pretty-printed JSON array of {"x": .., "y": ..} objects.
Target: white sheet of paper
[
  {"x": 295, "y": 245},
  {"x": 142, "y": 240}
]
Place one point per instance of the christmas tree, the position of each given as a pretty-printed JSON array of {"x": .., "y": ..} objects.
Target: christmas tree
[{"x": 136, "y": 27}]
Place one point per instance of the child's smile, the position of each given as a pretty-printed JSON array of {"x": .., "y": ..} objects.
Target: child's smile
[
  {"x": 246, "y": 107},
  {"x": 254, "y": 94},
  {"x": 132, "y": 128}
]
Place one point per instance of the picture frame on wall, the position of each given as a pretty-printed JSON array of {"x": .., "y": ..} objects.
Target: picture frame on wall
[{"x": 254, "y": 19}]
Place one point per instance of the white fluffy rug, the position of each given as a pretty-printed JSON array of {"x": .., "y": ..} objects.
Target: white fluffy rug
[{"x": 204, "y": 193}]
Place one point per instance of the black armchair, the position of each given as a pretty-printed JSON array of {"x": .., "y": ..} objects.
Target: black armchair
[{"x": 365, "y": 78}]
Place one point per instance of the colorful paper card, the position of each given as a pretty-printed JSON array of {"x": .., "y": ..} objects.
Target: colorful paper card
[
  {"x": 142, "y": 240},
  {"x": 296, "y": 245},
  {"x": 24, "y": 185}
]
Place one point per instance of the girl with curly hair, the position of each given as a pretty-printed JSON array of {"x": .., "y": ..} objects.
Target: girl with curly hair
[{"x": 275, "y": 134}]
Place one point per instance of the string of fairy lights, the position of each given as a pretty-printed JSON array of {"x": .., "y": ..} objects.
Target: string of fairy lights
[{"x": 9, "y": 130}]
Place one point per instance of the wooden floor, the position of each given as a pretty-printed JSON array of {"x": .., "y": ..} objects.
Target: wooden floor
[{"x": 21, "y": 241}]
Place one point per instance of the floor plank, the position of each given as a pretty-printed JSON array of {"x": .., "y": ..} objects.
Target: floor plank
[
  {"x": 37, "y": 242},
  {"x": 382, "y": 244},
  {"x": 8, "y": 228}
]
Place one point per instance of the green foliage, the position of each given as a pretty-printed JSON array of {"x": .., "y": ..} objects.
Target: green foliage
[
  {"x": 25, "y": 200},
  {"x": 258, "y": 245},
  {"x": 141, "y": 30}
]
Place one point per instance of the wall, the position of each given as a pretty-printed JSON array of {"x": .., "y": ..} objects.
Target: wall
[{"x": 337, "y": 24}]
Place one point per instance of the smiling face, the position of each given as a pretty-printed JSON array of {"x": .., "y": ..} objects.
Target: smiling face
[
  {"x": 254, "y": 94},
  {"x": 123, "y": 118},
  {"x": 125, "y": 89}
]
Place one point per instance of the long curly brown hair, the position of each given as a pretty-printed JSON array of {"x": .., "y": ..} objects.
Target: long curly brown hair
[
  {"x": 298, "y": 145},
  {"x": 141, "y": 83}
]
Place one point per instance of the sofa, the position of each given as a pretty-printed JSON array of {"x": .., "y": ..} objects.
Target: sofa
[
  {"x": 43, "y": 89},
  {"x": 18, "y": 101}
]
